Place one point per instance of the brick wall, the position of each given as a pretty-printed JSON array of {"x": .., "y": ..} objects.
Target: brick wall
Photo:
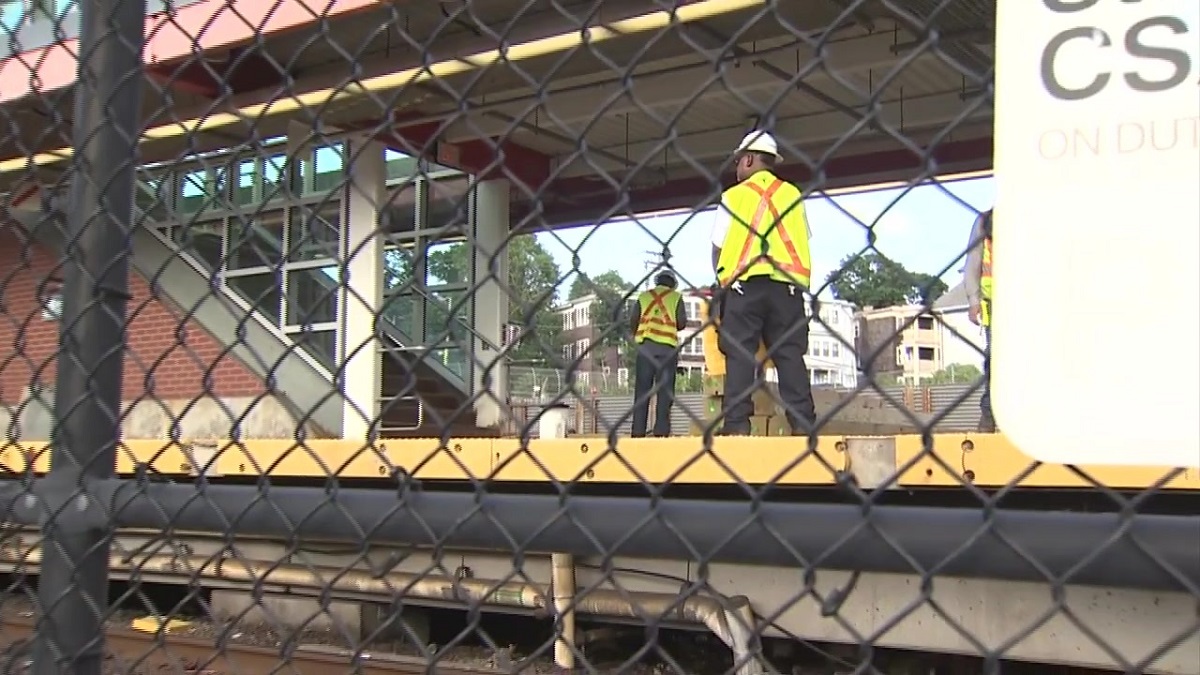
[{"x": 164, "y": 359}]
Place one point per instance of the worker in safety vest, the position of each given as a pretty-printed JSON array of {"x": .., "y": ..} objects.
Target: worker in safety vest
[
  {"x": 760, "y": 254},
  {"x": 977, "y": 279},
  {"x": 660, "y": 316}
]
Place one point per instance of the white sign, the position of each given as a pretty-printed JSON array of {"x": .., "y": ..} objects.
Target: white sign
[{"x": 1096, "y": 338}]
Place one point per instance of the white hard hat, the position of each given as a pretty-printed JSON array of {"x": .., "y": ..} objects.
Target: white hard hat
[{"x": 759, "y": 141}]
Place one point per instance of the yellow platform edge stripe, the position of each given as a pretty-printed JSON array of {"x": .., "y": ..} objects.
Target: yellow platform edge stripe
[{"x": 986, "y": 460}]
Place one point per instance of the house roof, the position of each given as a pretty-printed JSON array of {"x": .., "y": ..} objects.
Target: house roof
[{"x": 955, "y": 298}]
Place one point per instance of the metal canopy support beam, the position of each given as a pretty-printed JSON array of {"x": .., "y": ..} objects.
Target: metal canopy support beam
[
  {"x": 672, "y": 86},
  {"x": 483, "y": 158},
  {"x": 592, "y": 205},
  {"x": 1153, "y": 551},
  {"x": 904, "y": 117},
  {"x": 795, "y": 80},
  {"x": 233, "y": 73}
]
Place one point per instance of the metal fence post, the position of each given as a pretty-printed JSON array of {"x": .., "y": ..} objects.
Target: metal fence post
[{"x": 73, "y": 587}]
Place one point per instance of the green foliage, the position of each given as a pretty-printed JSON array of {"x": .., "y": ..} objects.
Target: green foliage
[
  {"x": 889, "y": 379},
  {"x": 580, "y": 287},
  {"x": 533, "y": 278},
  {"x": 926, "y": 289},
  {"x": 874, "y": 280},
  {"x": 955, "y": 373},
  {"x": 689, "y": 384}
]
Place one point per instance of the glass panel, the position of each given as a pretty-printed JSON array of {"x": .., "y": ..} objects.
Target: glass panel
[
  {"x": 322, "y": 344},
  {"x": 313, "y": 231},
  {"x": 399, "y": 165},
  {"x": 399, "y": 212},
  {"x": 447, "y": 328},
  {"x": 397, "y": 269},
  {"x": 243, "y": 191},
  {"x": 446, "y": 210},
  {"x": 202, "y": 190},
  {"x": 434, "y": 167},
  {"x": 449, "y": 335},
  {"x": 447, "y": 316},
  {"x": 61, "y": 7},
  {"x": 256, "y": 241},
  {"x": 220, "y": 187},
  {"x": 454, "y": 359},
  {"x": 400, "y": 310},
  {"x": 260, "y": 290},
  {"x": 328, "y": 163},
  {"x": 194, "y": 191},
  {"x": 151, "y": 198},
  {"x": 202, "y": 240},
  {"x": 312, "y": 296},
  {"x": 12, "y": 13},
  {"x": 447, "y": 263},
  {"x": 274, "y": 177}
]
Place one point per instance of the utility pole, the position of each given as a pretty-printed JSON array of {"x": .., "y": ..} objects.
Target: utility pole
[{"x": 654, "y": 261}]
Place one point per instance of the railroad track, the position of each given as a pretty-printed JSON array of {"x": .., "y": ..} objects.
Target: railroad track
[{"x": 133, "y": 652}]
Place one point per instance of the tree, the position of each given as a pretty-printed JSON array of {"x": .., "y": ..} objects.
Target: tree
[
  {"x": 926, "y": 289},
  {"x": 874, "y": 280},
  {"x": 531, "y": 287},
  {"x": 581, "y": 286},
  {"x": 609, "y": 315}
]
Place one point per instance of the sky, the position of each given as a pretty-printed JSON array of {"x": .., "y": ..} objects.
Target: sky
[{"x": 924, "y": 228}]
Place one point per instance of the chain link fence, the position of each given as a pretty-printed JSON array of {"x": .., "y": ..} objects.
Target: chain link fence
[{"x": 289, "y": 288}]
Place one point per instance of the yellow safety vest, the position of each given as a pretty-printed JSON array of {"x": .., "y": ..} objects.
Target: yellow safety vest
[
  {"x": 657, "y": 321},
  {"x": 985, "y": 284},
  {"x": 769, "y": 232}
]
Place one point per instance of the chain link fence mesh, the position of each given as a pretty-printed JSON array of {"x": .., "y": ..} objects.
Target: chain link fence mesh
[{"x": 289, "y": 288}]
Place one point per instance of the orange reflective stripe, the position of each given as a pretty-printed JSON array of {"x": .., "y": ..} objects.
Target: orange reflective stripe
[
  {"x": 766, "y": 203},
  {"x": 656, "y": 300},
  {"x": 648, "y": 321},
  {"x": 794, "y": 264}
]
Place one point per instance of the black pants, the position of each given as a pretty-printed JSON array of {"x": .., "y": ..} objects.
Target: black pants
[
  {"x": 773, "y": 313},
  {"x": 656, "y": 364}
]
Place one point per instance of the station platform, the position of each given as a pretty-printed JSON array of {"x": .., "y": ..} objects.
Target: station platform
[{"x": 985, "y": 461}]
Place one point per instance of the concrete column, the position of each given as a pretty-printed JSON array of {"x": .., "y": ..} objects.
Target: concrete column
[
  {"x": 361, "y": 294},
  {"x": 491, "y": 300}
]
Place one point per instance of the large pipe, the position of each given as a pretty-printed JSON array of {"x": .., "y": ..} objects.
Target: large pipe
[
  {"x": 562, "y": 584},
  {"x": 730, "y": 619},
  {"x": 1155, "y": 552}
]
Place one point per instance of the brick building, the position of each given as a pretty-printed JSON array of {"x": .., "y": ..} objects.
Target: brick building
[{"x": 170, "y": 358}]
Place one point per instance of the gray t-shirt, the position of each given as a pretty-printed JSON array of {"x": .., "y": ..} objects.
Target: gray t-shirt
[{"x": 973, "y": 270}]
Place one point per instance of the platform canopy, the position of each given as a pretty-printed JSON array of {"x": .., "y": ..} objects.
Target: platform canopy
[{"x": 594, "y": 113}]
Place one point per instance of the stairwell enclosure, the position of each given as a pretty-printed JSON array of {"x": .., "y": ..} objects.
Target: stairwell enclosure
[
  {"x": 200, "y": 356},
  {"x": 185, "y": 356}
]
